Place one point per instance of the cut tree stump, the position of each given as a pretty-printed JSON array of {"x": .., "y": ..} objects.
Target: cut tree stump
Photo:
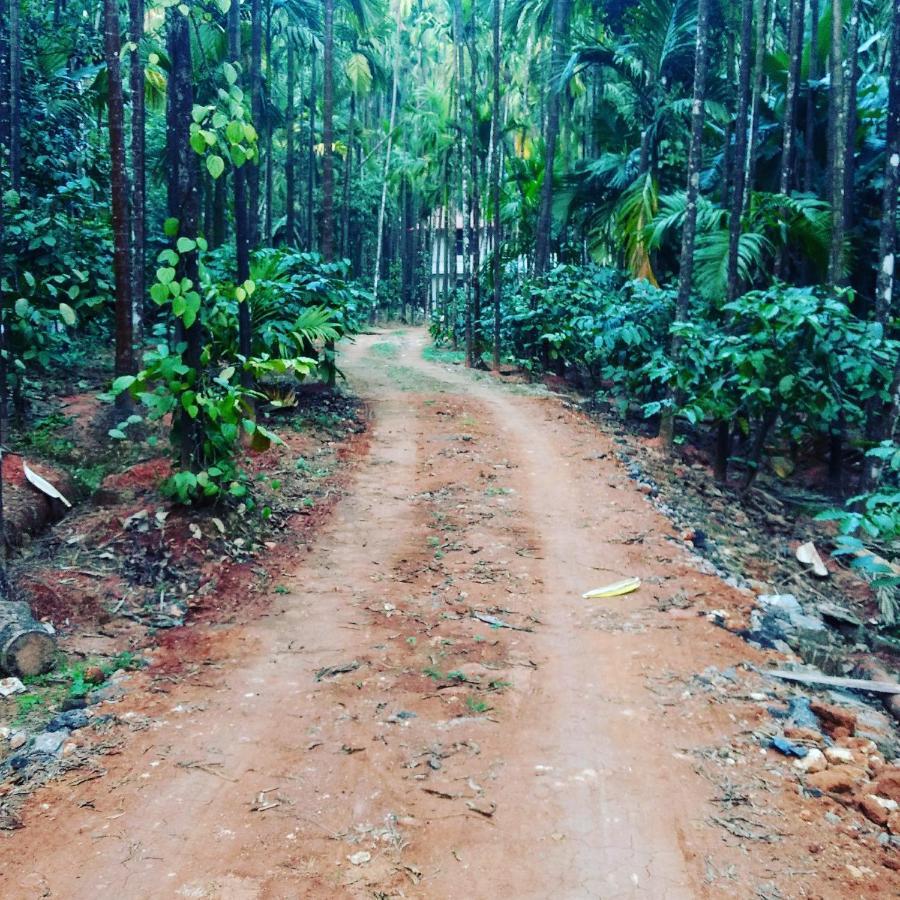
[{"x": 26, "y": 647}]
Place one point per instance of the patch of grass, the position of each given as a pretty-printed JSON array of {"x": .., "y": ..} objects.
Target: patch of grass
[
  {"x": 43, "y": 437},
  {"x": 443, "y": 355},
  {"x": 25, "y": 703},
  {"x": 473, "y": 704},
  {"x": 385, "y": 349},
  {"x": 408, "y": 379},
  {"x": 69, "y": 680},
  {"x": 281, "y": 589},
  {"x": 91, "y": 477}
]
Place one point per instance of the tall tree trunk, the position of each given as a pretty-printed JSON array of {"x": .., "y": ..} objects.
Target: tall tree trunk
[
  {"x": 811, "y": 76},
  {"x": 887, "y": 240},
  {"x": 496, "y": 263},
  {"x": 695, "y": 159},
  {"x": 850, "y": 86},
  {"x": 267, "y": 122},
  {"x": 256, "y": 111},
  {"x": 459, "y": 41},
  {"x": 737, "y": 202},
  {"x": 475, "y": 202},
  {"x": 220, "y": 203},
  {"x": 241, "y": 220},
  {"x": 543, "y": 235},
  {"x": 449, "y": 235},
  {"x": 138, "y": 166},
  {"x": 15, "y": 95},
  {"x": 759, "y": 75},
  {"x": 795, "y": 47},
  {"x": 837, "y": 154},
  {"x": 740, "y": 149},
  {"x": 406, "y": 247},
  {"x": 124, "y": 363},
  {"x": 348, "y": 169},
  {"x": 328, "y": 156},
  {"x": 689, "y": 233},
  {"x": 184, "y": 204},
  {"x": 290, "y": 121},
  {"x": 5, "y": 88},
  {"x": 883, "y": 423},
  {"x": 311, "y": 158},
  {"x": 327, "y": 218},
  {"x": 387, "y": 165}
]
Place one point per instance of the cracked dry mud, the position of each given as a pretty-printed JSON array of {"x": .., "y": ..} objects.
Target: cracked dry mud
[{"x": 455, "y": 759}]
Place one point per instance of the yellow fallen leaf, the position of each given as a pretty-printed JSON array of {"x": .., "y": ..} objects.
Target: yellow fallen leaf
[
  {"x": 782, "y": 466},
  {"x": 616, "y": 589}
]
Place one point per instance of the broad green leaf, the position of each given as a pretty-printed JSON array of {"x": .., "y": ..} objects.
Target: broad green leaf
[
  {"x": 215, "y": 165},
  {"x": 67, "y": 313},
  {"x": 122, "y": 383}
]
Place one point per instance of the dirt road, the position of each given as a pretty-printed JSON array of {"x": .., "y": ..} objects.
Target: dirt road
[{"x": 555, "y": 758}]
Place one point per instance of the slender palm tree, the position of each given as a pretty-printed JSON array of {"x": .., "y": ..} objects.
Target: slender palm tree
[{"x": 125, "y": 361}]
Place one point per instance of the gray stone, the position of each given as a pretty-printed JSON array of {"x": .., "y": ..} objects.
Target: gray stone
[
  {"x": 72, "y": 719},
  {"x": 49, "y": 741},
  {"x": 784, "y": 604}
]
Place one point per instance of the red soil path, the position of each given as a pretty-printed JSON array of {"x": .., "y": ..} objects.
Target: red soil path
[{"x": 457, "y": 760}]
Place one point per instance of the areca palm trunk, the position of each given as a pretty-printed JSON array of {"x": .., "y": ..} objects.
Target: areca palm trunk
[
  {"x": 850, "y": 88},
  {"x": 290, "y": 119},
  {"x": 762, "y": 18},
  {"x": 5, "y": 82},
  {"x": 795, "y": 46},
  {"x": 887, "y": 240},
  {"x": 124, "y": 362},
  {"x": 267, "y": 122},
  {"x": 327, "y": 234},
  {"x": 459, "y": 64},
  {"x": 379, "y": 245},
  {"x": 695, "y": 159},
  {"x": 495, "y": 186},
  {"x": 742, "y": 127},
  {"x": 689, "y": 233},
  {"x": 311, "y": 158},
  {"x": 184, "y": 203},
  {"x": 15, "y": 95},
  {"x": 138, "y": 165},
  {"x": 740, "y": 149},
  {"x": 474, "y": 203},
  {"x": 241, "y": 224},
  {"x": 256, "y": 111},
  {"x": 561, "y": 9},
  {"x": 348, "y": 168},
  {"x": 838, "y": 133},
  {"x": 812, "y": 74},
  {"x": 885, "y": 424}
]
